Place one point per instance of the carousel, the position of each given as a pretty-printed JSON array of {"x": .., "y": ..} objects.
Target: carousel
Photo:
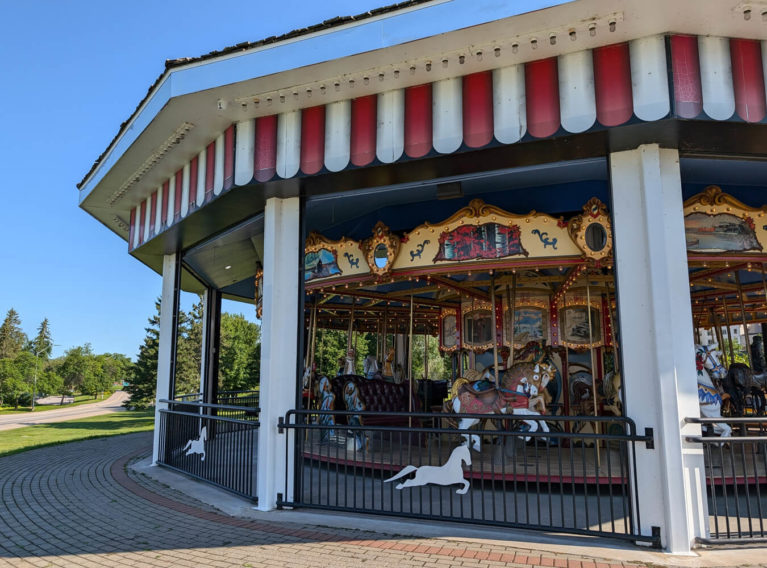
[{"x": 521, "y": 306}]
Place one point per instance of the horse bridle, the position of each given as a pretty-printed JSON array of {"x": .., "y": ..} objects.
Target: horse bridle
[{"x": 718, "y": 367}]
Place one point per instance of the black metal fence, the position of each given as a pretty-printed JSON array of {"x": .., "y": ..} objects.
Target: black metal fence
[
  {"x": 736, "y": 479},
  {"x": 197, "y": 440},
  {"x": 576, "y": 478},
  {"x": 245, "y": 401}
]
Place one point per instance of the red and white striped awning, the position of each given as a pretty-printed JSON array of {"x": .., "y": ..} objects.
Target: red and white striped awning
[{"x": 712, "y": 78}]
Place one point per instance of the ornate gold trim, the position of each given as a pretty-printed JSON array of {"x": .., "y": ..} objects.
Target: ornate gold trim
[
  {"x": 382, "y": 235},
  {"x": 594, "y": 212},
  {"x": 713, "y": 196}
]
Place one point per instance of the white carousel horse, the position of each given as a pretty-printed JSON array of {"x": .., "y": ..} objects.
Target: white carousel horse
[
  {"x": 707, "y": 359},
  {"x": 518, "y": 394},
  {"x": 369, "y": 366},
  {"x": 349, "y": 366},
  {"x": 197, "y": 446},
  {"x": 448, "y": 474}
]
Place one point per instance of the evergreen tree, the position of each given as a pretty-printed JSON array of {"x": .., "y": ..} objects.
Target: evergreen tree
[
  {"x": 42, "y": 344},
  {"x": 142, "y": 385},
  {"x": 12, "y": 338},
  {"x": 189, "y": 350}
]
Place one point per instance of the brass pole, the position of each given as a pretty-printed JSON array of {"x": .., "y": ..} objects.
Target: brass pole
[
  {"x": 729, "y": 332},
  {"x": 512, "y": 314},
  {"x": 410, "y": 367},
  {"x": 743, "y": 318},
  {"x": 593, "y": 369},
  {"x": 719, "y": 336},
  {"x": 495, "y": 331}
]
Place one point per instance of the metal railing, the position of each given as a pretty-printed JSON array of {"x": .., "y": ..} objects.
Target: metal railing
[
  {"x": 245, "y": 401},
  {"x": 564, "y": 480},
  {"x": 736, "y": 479},
  {"x": 197, "y": 440}
]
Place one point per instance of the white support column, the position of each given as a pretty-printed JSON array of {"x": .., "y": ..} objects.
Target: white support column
[
  {"x": 165, "y": 348},
  {"x": 279, "y": 349},
  {"x": 657, "y": 341}
]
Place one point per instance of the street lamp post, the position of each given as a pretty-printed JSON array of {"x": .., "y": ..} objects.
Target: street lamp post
[{"x": 34, "y": 385}]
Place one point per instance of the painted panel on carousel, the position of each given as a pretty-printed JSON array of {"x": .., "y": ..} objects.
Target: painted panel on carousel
[
  {"x": 450, "y": 336},
  {"x": 715, "y": 222},
  {"x": 324, "y": 258},
  {"x": 575, "y": 326},
  {"x": 530, "y": 324},
  {"x": 480, "y": 231}
]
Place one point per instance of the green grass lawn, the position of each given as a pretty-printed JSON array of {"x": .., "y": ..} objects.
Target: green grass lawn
[
  {"x": 79, "y": 400},
  {"x": 22, "y": 439}
]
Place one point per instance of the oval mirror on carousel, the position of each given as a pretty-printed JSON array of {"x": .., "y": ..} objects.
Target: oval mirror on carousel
[
  {"x": 596, "y": 237},
  {"x": 381, "y": 256}
]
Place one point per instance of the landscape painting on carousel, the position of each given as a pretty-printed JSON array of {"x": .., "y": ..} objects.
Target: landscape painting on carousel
[
  {"x": 716, "y": 222},
  {"x": 320, "y": 264},
  {"x": 470, "y": 242},
  {"x": 575, "y": 326},
  {"x": 529, "y": 325},
  {"x": 719, "y": 233}
]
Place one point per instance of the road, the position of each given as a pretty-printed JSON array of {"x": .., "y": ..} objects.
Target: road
[{"x": 112, "y": 404}]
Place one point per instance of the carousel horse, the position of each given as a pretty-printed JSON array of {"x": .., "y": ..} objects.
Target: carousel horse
[
  {"x": 742, "y": 387},
  {"x": 707, "y": 359},
  {"x": 327, "y": 402},
  {"x": 369, "y": 366},
  {"x": 349, "y": 364},
  {"x": 519, "y": 393},
  {"x": 611, "y": 391},
  {"x": 353, "y": 402}
]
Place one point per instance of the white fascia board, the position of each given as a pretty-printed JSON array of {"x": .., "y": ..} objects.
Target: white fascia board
[{"x": 350, "y": 39}]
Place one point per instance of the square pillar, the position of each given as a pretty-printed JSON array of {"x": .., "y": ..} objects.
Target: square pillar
[
  {"x": 166, "y": 350},
  {"x": 658, "y": 353},
  {"x": 280, "y": 327}
]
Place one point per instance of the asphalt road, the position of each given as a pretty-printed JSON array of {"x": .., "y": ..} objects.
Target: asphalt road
[{"x": 112, "y": 404}]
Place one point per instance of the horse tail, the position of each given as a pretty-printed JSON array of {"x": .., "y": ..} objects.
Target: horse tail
[{"x": 408, "y": 469}]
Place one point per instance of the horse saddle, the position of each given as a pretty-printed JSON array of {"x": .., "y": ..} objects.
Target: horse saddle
[{"x": 479, "y": 397}]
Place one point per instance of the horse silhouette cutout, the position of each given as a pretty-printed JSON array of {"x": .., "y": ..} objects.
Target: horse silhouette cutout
[
  {"x": 448, "y": 474},
  {"x": 197, "y": 446}
]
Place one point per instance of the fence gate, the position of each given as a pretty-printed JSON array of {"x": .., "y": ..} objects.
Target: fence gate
[
  {"x": 212, "y": 442},
  {"x": 736, "y": 478},
  {"x": 553, "y": 473}
]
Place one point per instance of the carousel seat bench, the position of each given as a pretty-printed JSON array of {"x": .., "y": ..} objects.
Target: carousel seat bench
[{"x": 378, "y": 396}]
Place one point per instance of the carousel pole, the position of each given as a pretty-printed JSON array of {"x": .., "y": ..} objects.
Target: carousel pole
[
  {"x": 495, "y": 333},
  {"x": 718, "y": 335},
  {"x": 591, "y": 355},
  {"x": 410, "y": 366},
  {"x": 313, "y": 335},
  {"x": 512, "y": 299},
  {"x": 729, "y": 331},
  {"x": 743, "y": 318}
]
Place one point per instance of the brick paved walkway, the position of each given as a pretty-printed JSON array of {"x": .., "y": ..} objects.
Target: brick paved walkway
[{"x": 77, "y": 505}]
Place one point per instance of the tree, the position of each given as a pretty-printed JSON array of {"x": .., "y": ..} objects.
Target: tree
[
  {"x": 80, "y": 369},
  {"x": 239, "y": 353},
  {"x": 115, "y": 367},
  {"x": 142, "y": 385},
  {"x": 189, "y": 350},
  {"x": 12, "y": 338},
  {"x": 42, "y": 344},
  {"x": 12, "y": 384}
]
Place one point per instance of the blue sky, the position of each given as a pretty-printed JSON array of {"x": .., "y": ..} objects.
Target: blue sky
[{"x": 72, "y": 72}]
